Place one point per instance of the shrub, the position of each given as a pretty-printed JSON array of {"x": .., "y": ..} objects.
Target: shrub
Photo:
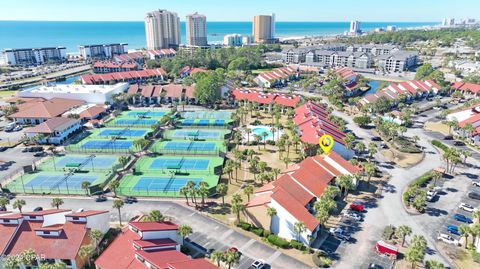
[
  {"x": 245, "y": 226},
  {"x": 440, "y": 145},
  {"x": 321, "y": 260},
  {"x": 297, "y": 245},
  {"x": 258, "y": 231},
  {"x": 362, "y": 121},
  {"x": 277, "y": 241},
  {"x": 422, "y": 180}
]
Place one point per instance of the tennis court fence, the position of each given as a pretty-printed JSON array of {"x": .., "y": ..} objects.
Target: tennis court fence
[
  {"x": 186, "y": 152},
  {"x": 79, "y": 149}
]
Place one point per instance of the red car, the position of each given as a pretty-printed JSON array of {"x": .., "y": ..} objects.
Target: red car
[{"x": 357, "y": 207}]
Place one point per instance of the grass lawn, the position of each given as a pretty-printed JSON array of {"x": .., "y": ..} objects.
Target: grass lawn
[
  {"x": 7, "y": 94},
  {"x": 437, "y": 127},
  {"x": 258, "y": 71}
]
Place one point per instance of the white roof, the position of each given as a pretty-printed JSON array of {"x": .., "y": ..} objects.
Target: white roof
[{"x": 74, "y": 88}]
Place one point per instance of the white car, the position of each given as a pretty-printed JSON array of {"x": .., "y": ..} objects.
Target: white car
[
  {"x": 430, "y": 195},
  {"x": 467, "y": 207},
  {"x": 257, "y": 264},
  {"x": 448, "y": 239},
  {"x": 340, "y": 234},
  {"x": 353, "y": 215},
  {"x": 476, "y": 183}
]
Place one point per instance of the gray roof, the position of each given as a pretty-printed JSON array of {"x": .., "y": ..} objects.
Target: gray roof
[{"x": 399, "y": 55}]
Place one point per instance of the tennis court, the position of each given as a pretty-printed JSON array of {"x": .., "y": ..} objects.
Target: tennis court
[
  {"x": 142, "y": 113},
  {"x": 134, "y": 122},
  {"x": 200, "y": 134},
  {"x": 207, "y": 115},
  {"x": 189, "y": 146},
  {"x": 123, "y": 132},
  {"x": 205, "y": 122},
  {"x": 60, "y": 181},
  {"x": 165, "y": 184},
  {"x": 87, "y": 162},
  {"x": 107, "y": 144}
]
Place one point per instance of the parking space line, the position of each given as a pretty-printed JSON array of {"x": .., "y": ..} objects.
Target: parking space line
[{"x": 273, "y": 257}]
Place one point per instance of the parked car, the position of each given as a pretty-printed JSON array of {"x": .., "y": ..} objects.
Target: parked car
[
  {"x": 474, "y": 195},
  {"x": 18, "y": 128},
  {"x": 340, "y": 234},
  {"x": 453, "y": 229},
  {"x": 462, "y": 218},
  {"x": 101, "y": 198},
  {"x": 376, "y": 138},
  {"x": 448, "y": 239},
  {"x": 448, "y": 137},
  {"x": 353, "y": 215},
  {"x": 39, "y": 208},
  {"x": 476, "y": 183},
  {"x": 39, "y": 154},
  {"x": 375, "y": 266},
  {"x": 357, "y": 207},
  {"x": 130, "y": 200},
  {"x": 257, "y": 264},
  {"x": 209, "y": 252},
  {"x": 431, "y": 195},
  {"x": 467, "y": 207},
  {"x": 459, "y": 143}
]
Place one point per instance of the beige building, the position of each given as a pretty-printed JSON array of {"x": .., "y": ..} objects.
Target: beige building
[
  {"x": 196, "y": 30},
  {"x": 162, "y": 29},
  {"x": 263, "y": 28}
]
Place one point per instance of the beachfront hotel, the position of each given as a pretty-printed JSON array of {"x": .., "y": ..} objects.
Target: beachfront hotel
[
  {"x": 264, "y": 29},
  {"x": 162, "y": 29},
  {"x": 34, "y": 56},
  {"x": 102, "y": 51},
  {"x": 196, "y": 30}
]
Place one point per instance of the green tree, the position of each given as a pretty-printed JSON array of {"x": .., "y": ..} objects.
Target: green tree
[
  {"x": 57, "y": 265},
  {"x": 231, "y": 257},
  {"x": 11, "y": 262},
  {"x": 154, "y": 216},
  {"x": 271, "y": 211},
  {"x": 56, "y": 202},
  {"x": 184, "y": 231},
  {"x": 203, "y": 190},
  {"x": 96, "y": 236},
  {"x": 237, "y": 205},
  {"x": 414, "y": 256},
  {"x": 118, "y": 204},
  {"x": 464, "y": 231},
  {"x": 207, "y": 88},
  {"x": 299, "y": 228},
  {"x": 185, "y": 191},
  {"x": 402, "y": 232},
  {"x": 4, "y": 202},
  {"x": 431, "y": 264},
  {"x": 28, "y": 257},
  {"x": 86, "y": 252},
  {"x": 345, "y": 183},
  {"x": 19, "y": 204},
  {"x": 222, "y": 190},
  {"x": 372, "y": 149},
  {"x": 217, "y": 256},
  {"x": 248, "y": 190},
  {"x": 370, "y": 170},
  {"x": 114, "y": 185},
  {"x": 86, "y": 187}
]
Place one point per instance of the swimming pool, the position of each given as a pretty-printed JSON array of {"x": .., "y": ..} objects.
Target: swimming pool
[{"x": 259, "y": 130}]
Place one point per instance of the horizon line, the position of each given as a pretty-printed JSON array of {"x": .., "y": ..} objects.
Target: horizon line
[{"x": 217, "y": 21}]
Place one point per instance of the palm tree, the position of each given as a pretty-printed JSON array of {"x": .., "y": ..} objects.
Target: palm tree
[
  {"x": 191, "y": 186},
  {"x": 248, "y": 190},
  {"x": 299, "y": 228},
  {"x": 85, "y": 252},
  {"x": 123, "y": 160},
  {"x": 431, "y": 264},
  {"x": 360, "y": 147},
  {"x": 184, "y": 191},
  {"x": 154, "y": 216},
  {"x": 370, "y": 170},
  {"x": 276, "y": 172},
  {"x": 248, "y": 131},
  {"x": 217, "y": 256},
  {"x": 118, "y": 204},
  {"x": 464, "y": 231},
  {"x": 58, "y": 265},
  {"x": 372, "y": 149},
  {"x": 414, "y": 255},
  {"x": 184, "y": 230},
  {"x": 264, "y": 136},
  {"x": 436, "y": 176},
  {"x": 286, "y": 160},
  {"x": 96, "y": 236},
  {"x": 4, "y": 202},
  {"x": 271, "y": 212},
  {"x": 345, "y": 183},
  {"x": 114, "y": 185},
  {"x": 237, "y": 205},
  {"x": 19, "y": 204},
  {"x": 231, "y": 258},
  {"x": 222, "y": 189},
  {"x": 322, "y": 217},
  {"x": 203, "y": 190},
  {"x": 56, "y": 202},
  {"x": 402, "y": 232},
  {"x": 476, "y": 215},
  {"x": 28, "y": 257},
  {"x": 86, "y": 186}
]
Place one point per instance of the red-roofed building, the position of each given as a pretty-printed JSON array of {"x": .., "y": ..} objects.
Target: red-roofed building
[
  {"x": 52, "y": 235},
  {"x": 38, "y": 112},
  {"x": 162, "y": 94},
  {"x": 467, "y": 117},
  {"x": 103, "y": 67},
  {"x": 161, "y": 54},
  {"x": 54, "y": 131},
  {"x": 277, "y": 77},
  {"x": 312, "y": 123},
  {"x": 190, "y": 70},
  {"x": 146, "y": 245},
  {"x": 469, "y": 88},
  {"x": 266, "y": 99},
  {"x": 294, "y": 194},
  {"x": 131, "y": 77}
]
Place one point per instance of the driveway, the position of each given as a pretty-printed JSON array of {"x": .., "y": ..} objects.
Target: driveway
[{"x": 208, "y": 233}]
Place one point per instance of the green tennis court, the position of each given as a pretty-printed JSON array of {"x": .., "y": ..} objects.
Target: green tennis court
[
  {"x": 176, "y": 147},
  {"x": 90, "y": 145},
  {"x": 196, "y": 134},
  {"x": 225, "y": 115},
  {"x": 83, "y": 162},
  {"x": 161, "y": 186},
  {"x": 211, "y": 123},
  {"x": 192, "y": 165}
]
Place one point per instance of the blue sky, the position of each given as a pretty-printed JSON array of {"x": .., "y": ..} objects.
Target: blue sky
[{"x": 242, "y": 10}]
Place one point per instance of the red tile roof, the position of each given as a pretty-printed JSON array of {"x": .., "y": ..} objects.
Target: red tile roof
[
  {"x": 47, "y": 109},
  {"x": 87, "y": 213},
  {"x": 155, "y": 243},
  {"x": 7, "y": 231},
  {"x": 52, "y": 125},
  {"x": 294, "y": 189},
  {"x": 469, "y": 87},
  {"x": 192, "y": 264},
  {"x": 266, "y": 98},
  {"x": 473, "y": 119},
  {"x": 297, "y": 210},
  {"x": 122, "y": 76},
  {"x": 65, "y": 246},
  {"x": 93, "y": 111},
  {"x": 46, "y": 212},
  {"x": 154, "y": 226}
]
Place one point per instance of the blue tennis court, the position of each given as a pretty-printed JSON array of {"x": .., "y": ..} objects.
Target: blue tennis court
[
  {"x": 49, "y": 181},
  {"x": 183, "y": 164},
  {"x": 162, "y": 183},
  {"x": 190, "y": 146},
  {"x": 219, "y": 122},
  {"x": 203, "y": 122},
  {"x": 146, "y": 113},
  {"x": 196, "y": 133},
  {"x": 122, "y": 133},
  {"x": 188, "y": 122},
  {"x": 138, "y": 121},
  {"x": 107, "y": 144},
  {"x": 207, "y": 115},
  {"x": 99, "y": 162}
]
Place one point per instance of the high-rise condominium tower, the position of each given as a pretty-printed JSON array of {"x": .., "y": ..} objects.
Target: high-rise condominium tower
[
  {"x": 263, "y": 28},
  {"x": 162, "y": 29},
  {"x": 196, "y": 30}
]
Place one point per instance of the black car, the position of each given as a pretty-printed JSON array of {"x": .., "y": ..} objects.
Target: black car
[
  {"x": 2, "y": 149},
  {"x": 130, "y": 200},
  {"x": 39, "y": 154},
  {"x": 25, "y": 149},
  {"x": 474, "y": 195},
  {"x": 101, "y": 198},
  {"x": 459, "y": 143},
  {"x": 376, "y": 138},
  {"x": 448, "y": 137},
  {"x": 38, "y": 209},
  {"x": 37, "y": 149}
]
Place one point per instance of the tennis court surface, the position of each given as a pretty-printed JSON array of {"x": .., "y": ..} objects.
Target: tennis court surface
[
  {"x": 146, "y": 113},
  {"x": 165, "y": 184},
  {"x": 180, "y": 163},
  {"x": 88, "y": 162},
  {"x": 189, "y": 146},
  {"x": 200, "y": 134},
  {"x": 134, "y": 122},
  {"x": 207, "y": 115},
  {"x": 107, "y": 144},
  {"x": 123, "y": 132},
  {"x": 46, "y": 181}
]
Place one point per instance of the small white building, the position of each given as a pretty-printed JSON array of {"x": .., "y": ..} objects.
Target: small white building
[
  {"x": 103, "y": 51},
  {"x": 96, "y": 94}
]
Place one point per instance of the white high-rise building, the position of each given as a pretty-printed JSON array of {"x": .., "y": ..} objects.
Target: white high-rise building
[
  {"x": 162, "y": 29},
  {"x": 196, "y": 30},
  {"x": 273, "y": 25},
  {"x": 103, "y": 51},
  {"x": 34, "y": 56},
  {"x": 354, "y": 27},
  {"x": 233, "y": 40}
]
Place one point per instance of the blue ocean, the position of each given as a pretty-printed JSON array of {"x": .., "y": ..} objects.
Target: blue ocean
[{"x": 28, "y": 34}]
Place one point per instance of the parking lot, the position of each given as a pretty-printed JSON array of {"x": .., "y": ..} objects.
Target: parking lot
[{"x": 12, "y": 161}]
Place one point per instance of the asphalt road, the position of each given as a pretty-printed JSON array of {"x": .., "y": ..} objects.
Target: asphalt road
[{"x": 208, "y": 233}]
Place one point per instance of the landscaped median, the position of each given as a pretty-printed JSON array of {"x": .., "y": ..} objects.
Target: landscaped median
[{"x": 415, "y": 196}]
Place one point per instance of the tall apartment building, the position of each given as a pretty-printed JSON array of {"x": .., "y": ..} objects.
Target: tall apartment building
[
  {"x": 103, "y": 51},
  {"x": 354, "y": 27},
  {"x": 263, "y": 29},
  {"x": 196, "y": 30},
  {"x": 233, "y": 40},
  {"x": 162, "y": 29},
  {"x": 34, "y": 56}
]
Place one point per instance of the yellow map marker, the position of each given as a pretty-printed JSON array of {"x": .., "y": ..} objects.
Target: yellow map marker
[{"x": 326, "y": 143}]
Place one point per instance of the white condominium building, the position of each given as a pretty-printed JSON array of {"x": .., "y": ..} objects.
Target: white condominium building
[
  {"x": 196, "y": 30},
  {"x": 162, "y": 29},
  {"x": 34, "y": 56},
  {"x": 233, "y": 40},
  {"x": 103, "y": 51}
]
